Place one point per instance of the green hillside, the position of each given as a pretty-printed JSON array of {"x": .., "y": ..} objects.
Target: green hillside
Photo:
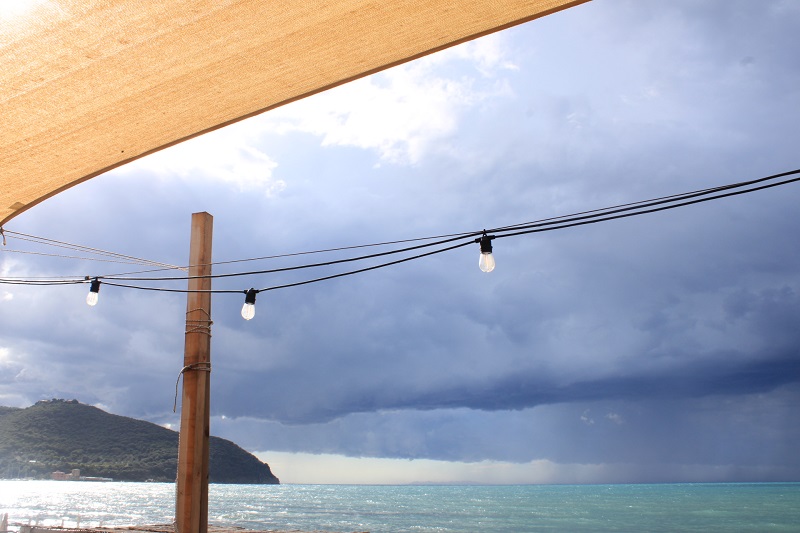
[{"x": 63, "y": 435}]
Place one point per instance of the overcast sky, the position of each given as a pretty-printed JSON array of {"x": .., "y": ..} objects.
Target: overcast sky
[{"x": 663, "y": 347}]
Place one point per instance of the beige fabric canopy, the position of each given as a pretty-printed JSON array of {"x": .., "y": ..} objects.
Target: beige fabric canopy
[{"x": 86, "y": 86}]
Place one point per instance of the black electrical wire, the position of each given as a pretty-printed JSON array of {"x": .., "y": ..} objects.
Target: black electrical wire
[
  {"x": 299, "y": 267},
  {"x": 596, "y": 213},
  {"x": 163, "y": 289},
  {"x": 367, "y": 269},
  {"x": 561, "y": 220},
  {"x": 123, "y": 275},
  {"x": 558, "y": 222},
  {"x": 462, "y": 234},
  {"x": 340, "y": 249},
  {"x": 218, "y": 291},
  {"x": 550, "y": 224},
  {"x": 296, "y": 284},
  {"x": 578, "y": 222},
  {"x": 14, "y": 281}
]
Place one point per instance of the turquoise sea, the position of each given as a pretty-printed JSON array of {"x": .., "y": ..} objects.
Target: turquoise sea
[{"x": 756, "y": 507}]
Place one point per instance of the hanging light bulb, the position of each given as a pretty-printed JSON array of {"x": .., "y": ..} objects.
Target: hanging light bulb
[
  {"x": 249, "y": 307},
  {"x": 94, "y": 292},
  {"x": 486, "y": 261}
]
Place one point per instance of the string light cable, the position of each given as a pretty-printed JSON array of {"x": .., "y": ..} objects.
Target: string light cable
[
  {"x": 550, "y": 224},
  {"x": 527, "y": 225},
  {"x": 116, "y": 257},
  {"x": 338, "y": 249},
  {"x": 125, "y": 275},
  {"x": 657, "y": 201},
  {"x": 647, "y": 206},
  {"x": 446, "y": 241},
  {"x": 83, "y": 258},
  {"x": 295, "y": 284},
  {"x": 458, "y": 236}
]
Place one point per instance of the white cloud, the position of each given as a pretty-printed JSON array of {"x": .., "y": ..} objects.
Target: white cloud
[
  {"x": 229, "y": 155},
  {"x": 9, "y": 267},
  {"x": 306, "y": 468},
  {"x": 488, "y": 53},
  {"x": 402, "y": 112},
  {"x": 398, "y": 119}
]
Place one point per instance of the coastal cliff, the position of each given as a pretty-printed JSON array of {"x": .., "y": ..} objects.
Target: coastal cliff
[{"x": 59, "y": 435}]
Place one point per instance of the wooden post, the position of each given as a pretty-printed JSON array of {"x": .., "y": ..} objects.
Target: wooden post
[{"x": 191, "y": 501}]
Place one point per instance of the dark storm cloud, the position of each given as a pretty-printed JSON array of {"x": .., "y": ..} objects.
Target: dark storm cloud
[
  {"x": 717, "y": 375},
  {"x": 711, "y": 431}
]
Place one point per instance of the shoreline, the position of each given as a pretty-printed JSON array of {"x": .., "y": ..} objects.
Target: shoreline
[{"x": 156, "y": 528}]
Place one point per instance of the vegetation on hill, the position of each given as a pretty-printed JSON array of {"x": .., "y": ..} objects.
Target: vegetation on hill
[{"x": 55, "y": 435}]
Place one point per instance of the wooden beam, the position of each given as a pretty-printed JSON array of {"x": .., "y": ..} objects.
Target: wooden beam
[{"x": 191, "y": 502}]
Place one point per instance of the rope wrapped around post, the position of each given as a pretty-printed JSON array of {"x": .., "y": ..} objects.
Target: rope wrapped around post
[{"x": 199, "y": 326}]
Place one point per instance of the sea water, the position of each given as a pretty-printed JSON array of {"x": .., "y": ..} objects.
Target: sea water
[{"x": 738, "y": 507}]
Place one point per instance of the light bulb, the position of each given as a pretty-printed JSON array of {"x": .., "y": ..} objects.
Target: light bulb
[
  {"x": 94, "y": 292},
  {"x": 486, "y": 261},
  {"x": 248, "y": 311},
  {"x": 249, "y": 307}
]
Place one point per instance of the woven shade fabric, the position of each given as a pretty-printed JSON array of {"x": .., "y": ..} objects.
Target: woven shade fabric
[{"x": 86, "y": 86}]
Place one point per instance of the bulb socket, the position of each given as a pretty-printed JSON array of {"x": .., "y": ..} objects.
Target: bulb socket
[
  {"x": 486, "y": 244},
  {"x": 250, "y": 297}
]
